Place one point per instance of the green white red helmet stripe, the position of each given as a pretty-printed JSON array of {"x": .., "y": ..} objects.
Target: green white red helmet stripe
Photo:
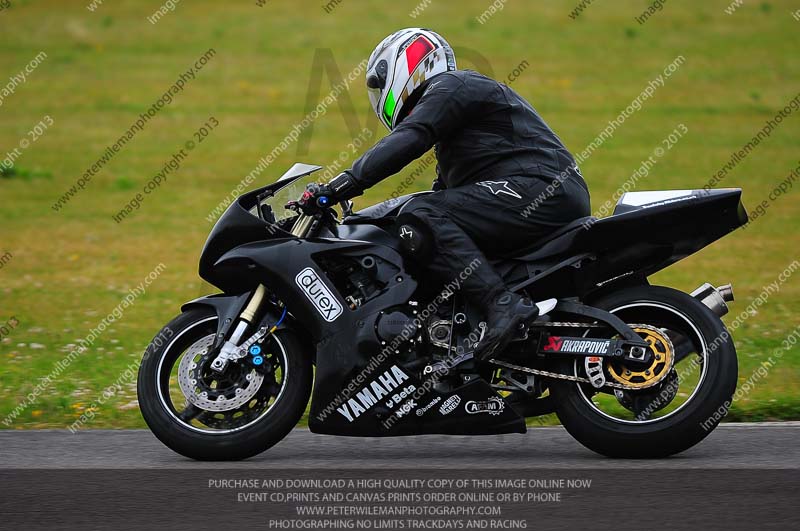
[
  {"x": 410, "y": 57},
  {"x": 417, "y": 51},
  {"x": 389, "y": 106}
]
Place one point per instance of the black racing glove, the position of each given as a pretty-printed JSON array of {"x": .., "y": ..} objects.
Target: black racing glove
[{"x": 342, "y": 187}]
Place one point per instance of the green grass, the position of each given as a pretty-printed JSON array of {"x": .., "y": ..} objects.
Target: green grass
[{"x": 71, "y": 268}]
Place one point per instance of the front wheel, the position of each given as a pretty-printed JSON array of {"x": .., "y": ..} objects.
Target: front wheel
[
  {"x": 232, "y": 415},
  {"x": 696, "y": 370}
]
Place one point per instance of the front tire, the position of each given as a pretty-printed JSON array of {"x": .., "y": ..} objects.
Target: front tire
[
  {"x": 685, "y": 426},
  {"x": 158, "y": 399}
]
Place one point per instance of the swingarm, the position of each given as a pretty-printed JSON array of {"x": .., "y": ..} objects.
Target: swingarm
[{"x": 585, "y": 346}]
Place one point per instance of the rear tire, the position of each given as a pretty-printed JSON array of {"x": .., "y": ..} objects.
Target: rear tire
[
  {"x": 248, "y": 441},
  {"x": 690, "y": 423}
]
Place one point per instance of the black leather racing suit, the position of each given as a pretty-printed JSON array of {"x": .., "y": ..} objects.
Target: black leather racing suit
[{"x": 507, "y": 178}]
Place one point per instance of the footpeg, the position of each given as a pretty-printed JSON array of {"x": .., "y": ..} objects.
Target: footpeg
[
  {"x": 544, "y": 307},
  {"x": 448, "y": 363}
]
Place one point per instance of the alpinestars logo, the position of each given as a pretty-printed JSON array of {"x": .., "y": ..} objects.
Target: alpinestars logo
[
  {"x": 587, "y": 346},
  {"x": 372, "y": 393},
  {"x": 319, "y": 294},
  {"x": 500, "y": 187}
]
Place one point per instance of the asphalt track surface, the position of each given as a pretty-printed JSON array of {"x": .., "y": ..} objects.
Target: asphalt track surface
[
  {"x": 730, "y": 446},
  {"x": 743, "y": 476}
]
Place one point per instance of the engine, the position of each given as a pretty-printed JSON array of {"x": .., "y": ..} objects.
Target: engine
[{"x": 397, "y": 324}]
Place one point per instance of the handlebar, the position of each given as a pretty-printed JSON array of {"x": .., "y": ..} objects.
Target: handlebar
[{"x": 322, "y": 203}]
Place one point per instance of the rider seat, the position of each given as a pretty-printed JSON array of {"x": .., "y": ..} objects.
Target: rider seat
[{"x": 558, "y": 241}]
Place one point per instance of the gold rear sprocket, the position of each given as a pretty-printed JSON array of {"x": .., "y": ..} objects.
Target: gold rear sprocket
[{"x": 663, "y": 360}]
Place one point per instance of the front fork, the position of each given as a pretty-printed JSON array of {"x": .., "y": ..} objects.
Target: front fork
[
  {"x": 231, "y": 350},
  {"x": 302, "y": 225}
]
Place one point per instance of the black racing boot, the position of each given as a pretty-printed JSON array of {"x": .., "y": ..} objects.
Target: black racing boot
[{"x": 504, "y": 317}]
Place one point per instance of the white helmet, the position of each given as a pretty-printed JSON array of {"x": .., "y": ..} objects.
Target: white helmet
[{"x": 400, "y": 64}]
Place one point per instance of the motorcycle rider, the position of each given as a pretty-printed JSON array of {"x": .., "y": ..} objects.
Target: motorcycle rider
[{"x": 504, "y": 179}]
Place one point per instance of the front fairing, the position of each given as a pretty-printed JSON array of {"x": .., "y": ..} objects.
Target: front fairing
[{"x": 241, "y": 223}]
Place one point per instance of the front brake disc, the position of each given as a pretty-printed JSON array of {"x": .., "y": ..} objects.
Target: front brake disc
[{"x": 210, "y": 391}]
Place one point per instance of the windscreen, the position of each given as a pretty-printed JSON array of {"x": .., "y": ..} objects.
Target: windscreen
[
  {"x": 291, "y": 192},
  {"x": 288, "y": 188}
]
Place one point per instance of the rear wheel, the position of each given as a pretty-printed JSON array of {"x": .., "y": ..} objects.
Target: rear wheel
[
  {"x": 205, "y": 415},
  {"x": 695, "y": 367}
]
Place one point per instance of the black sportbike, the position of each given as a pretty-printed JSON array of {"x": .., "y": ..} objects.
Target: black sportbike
[{"x": 321, "y": 307}]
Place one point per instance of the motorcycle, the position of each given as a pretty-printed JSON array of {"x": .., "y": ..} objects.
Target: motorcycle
[{"x": 314, "y": 306}]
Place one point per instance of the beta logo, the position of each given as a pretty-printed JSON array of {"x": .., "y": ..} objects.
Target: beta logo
[
  {"x": 319, "y": 294},
  {"x": 493, "y": 406}
]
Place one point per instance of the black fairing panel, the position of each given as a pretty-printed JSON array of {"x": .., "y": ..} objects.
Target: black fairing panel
[
  {"x": 241, "y": 224},
  {"x": 277, "y": 264},
  {"x": 635, "y": 243},
  {"x": 367, "y": 232},
  {"x": 461, "y": 411},
  {"x": 236, "y": 226}
]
